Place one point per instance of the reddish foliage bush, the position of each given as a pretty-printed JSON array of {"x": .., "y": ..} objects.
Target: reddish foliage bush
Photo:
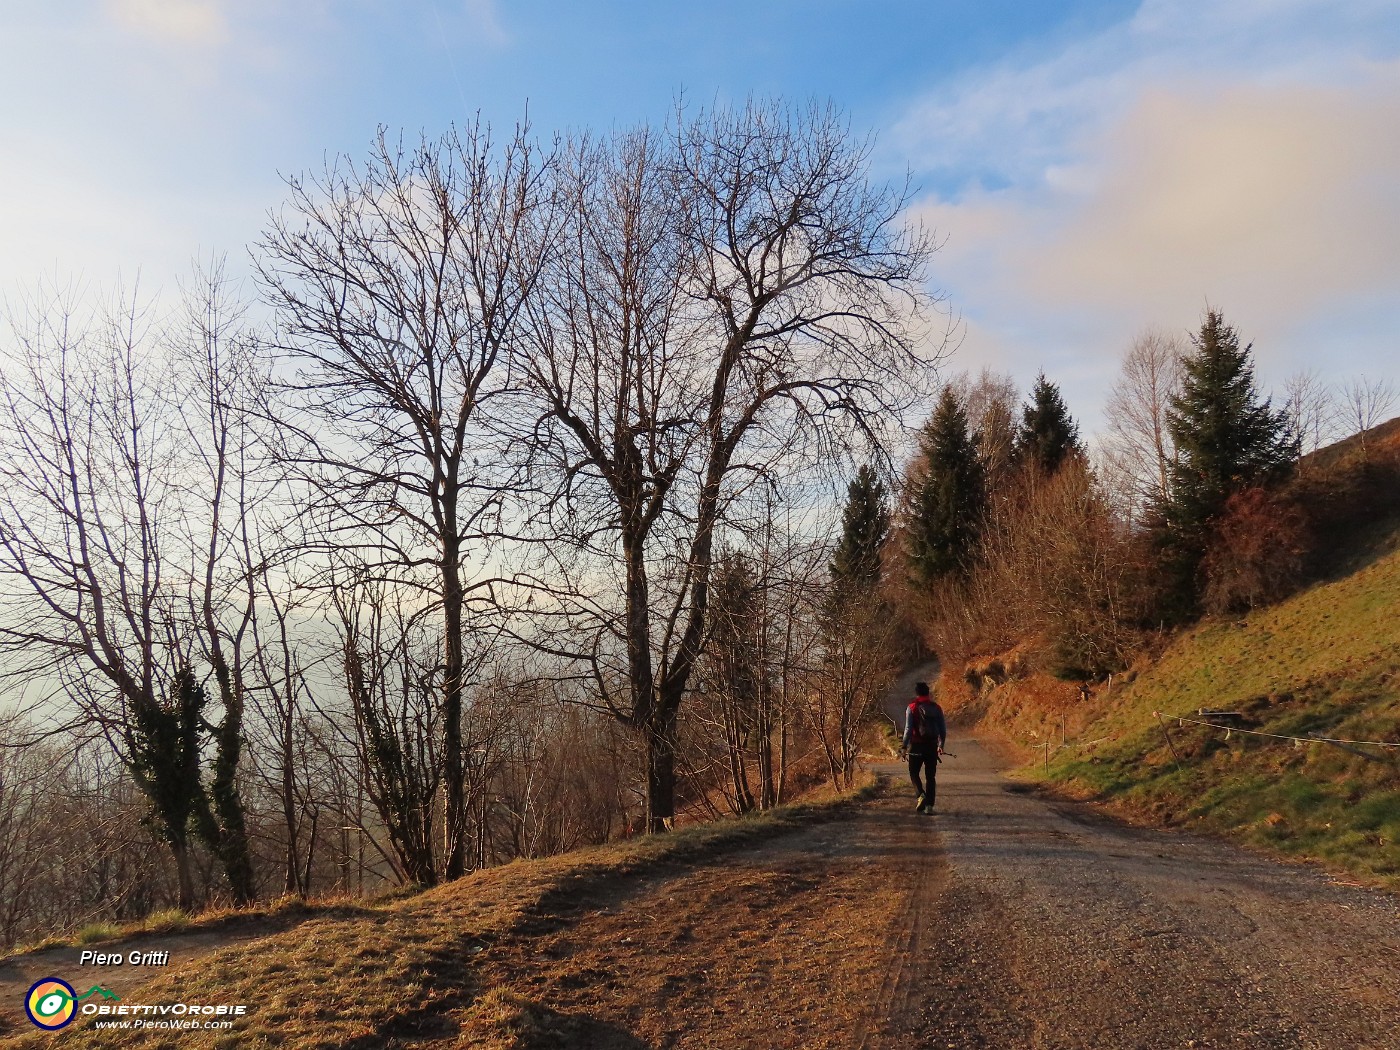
[{"x": 1258, "y": 552}]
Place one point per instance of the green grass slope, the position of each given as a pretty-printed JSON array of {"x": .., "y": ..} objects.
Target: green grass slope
[{"x": 1325, "y": 662}]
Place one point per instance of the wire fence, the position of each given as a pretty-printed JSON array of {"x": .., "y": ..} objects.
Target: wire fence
[
  {"x": 1346, "y": 743},
  {"x": 1311, "y": 738}
]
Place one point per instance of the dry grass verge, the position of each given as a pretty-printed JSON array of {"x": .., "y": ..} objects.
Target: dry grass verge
[{"x": 406, "y": 972}]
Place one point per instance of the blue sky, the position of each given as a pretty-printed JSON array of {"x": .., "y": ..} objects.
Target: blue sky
[{"x": 1095, "y": 167}]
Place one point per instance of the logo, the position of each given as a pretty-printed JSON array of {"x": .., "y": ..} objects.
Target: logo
[{"x": 51, "y": 1003}]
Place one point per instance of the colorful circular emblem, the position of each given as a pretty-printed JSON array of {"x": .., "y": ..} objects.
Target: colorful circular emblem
[{"x": 51, "y": 1003}]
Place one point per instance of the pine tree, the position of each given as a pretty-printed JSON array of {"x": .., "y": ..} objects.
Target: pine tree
[
  {"x": 865, "y": 524},
  {"x": 1048, "y": 435},
  {"x": 948, "y": 501},
  {"x": 1227, "y": 439}
]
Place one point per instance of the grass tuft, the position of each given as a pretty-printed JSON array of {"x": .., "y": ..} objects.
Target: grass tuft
[
  {"x": 409, "y": 975},
  {"x": 95, "y": 932}
]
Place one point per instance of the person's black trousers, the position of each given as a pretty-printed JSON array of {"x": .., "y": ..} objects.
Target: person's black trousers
[{"x": 929, "y": 764}]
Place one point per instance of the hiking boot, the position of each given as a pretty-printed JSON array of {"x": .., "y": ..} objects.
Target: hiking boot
[{"x": 919, "y": 804}]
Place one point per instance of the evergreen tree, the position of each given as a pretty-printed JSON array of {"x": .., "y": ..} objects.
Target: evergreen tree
[
  {"x": 865, "y": 524},
  {"x": 1048, "y": 434},
  {"x": 949, "y": 499},
  {"x": 858, "y": 627},
  {"x": 1227, "y": 439}
]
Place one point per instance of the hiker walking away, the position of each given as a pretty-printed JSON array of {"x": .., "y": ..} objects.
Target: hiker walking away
[{"x": 925, "y": 733}]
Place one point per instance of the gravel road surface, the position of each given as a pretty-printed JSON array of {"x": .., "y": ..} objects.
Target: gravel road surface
[{"x": 1044, "y": 924}]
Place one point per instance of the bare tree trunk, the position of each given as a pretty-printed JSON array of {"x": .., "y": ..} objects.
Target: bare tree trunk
[
  {"x": 187, "y": 901},
  {"x": 399, "y": 285},
  {"x": 112, "y": 437},
  {"x": 454, "y": 772},
  {"x": 715, "y": 300},
  {"x": 1136, "y": 413},
  {"x": 660, "y": 742}
]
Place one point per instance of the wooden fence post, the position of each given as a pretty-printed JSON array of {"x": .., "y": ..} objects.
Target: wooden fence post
[{"x": 1169, "y": 739}]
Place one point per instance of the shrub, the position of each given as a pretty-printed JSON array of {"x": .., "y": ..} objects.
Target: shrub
[{"x": 1257, "y": 552}]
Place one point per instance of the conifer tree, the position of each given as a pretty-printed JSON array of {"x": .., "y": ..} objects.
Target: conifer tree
[
  {"x": 1048, "y": 435},
  {"x": 858, "y": 627},
  {"x": 949, "y": 498},
  {"x": 865, "y": 524},
  {"x": 1227, "y": 439}
]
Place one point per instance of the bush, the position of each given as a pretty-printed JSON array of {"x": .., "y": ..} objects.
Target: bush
[{"x": 1257, "y": 552}]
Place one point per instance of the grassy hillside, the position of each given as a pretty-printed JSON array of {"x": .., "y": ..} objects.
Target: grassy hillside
[{"x": 1326, "y": 662}]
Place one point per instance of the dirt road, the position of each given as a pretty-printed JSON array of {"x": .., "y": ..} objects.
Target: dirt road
[{"x": 1051, "y": 927}]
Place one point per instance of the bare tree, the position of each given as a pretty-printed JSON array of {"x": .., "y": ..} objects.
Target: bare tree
[
  {"x": 398, "y": 287},
  {"x": 101, "y": 867},
  {"x": 123, "y": 500},
  {"x": 282, "y": 701},
  {"x": 27, "y": 789},
  {"x": 763, "y": 647},
  {"x": 220, "y": 381},
  {"x": 388, "y": 667},
  {"x": 1363, "y": 404},
  {"x": 991, "y": 401},
  {"x": 1311, "y": 408},
  {"x": 1138, "y": 440},
  {"x": 858, "y": 668},
  {"x": 727, "y": 303},
  {"x": 737, "y": 687}
]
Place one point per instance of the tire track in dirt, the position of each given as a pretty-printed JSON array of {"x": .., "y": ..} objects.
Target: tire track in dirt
[
  {"x": 1061, "y": 929},
  {"x": 918, "y": 866}
]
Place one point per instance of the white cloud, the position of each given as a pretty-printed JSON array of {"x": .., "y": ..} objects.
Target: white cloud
[
  {"x": 1030, "y": 113},
  {"x": 1246, "y": 154},
  {"x": 199, "y": 22},
  {"x": 1285, "y": 194},
  {"x": 485, "y": 21}
]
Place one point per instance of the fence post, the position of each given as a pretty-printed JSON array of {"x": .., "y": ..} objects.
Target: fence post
[{"x": 1169, "y": 739}]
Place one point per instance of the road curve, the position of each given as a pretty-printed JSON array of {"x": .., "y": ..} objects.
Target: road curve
[{"x": 1052, "y": 927}]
